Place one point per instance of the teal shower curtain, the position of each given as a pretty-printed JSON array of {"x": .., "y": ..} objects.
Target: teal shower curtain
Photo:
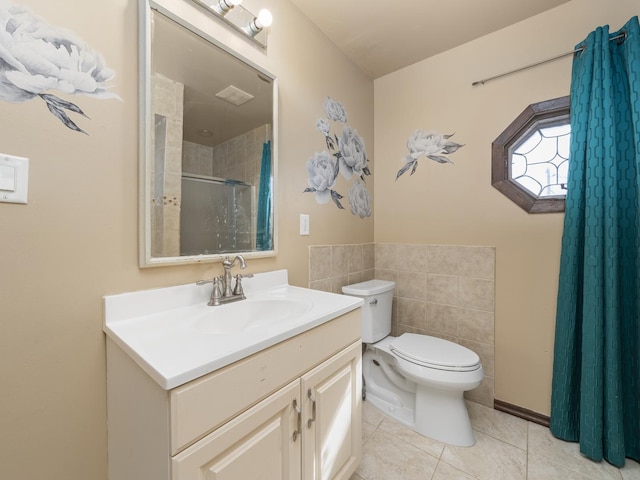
[
  {"x": 596, "y": 372},
  {"x": 264, "y": 238}
]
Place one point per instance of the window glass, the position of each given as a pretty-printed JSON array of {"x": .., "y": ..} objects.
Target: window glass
[{"x": 540, "y": 161}]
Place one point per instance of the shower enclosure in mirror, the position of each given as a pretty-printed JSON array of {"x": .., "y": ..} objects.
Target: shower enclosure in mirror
[{"x": 208, "y": 146}]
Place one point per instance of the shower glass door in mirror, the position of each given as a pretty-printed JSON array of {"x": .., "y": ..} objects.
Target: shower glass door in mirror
[{"x": 208, "y": 148}]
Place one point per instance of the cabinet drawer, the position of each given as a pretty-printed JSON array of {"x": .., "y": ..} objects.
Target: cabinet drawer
[
  {"x": 200, "y": 406},
  {"x": 259, "y": 443}
]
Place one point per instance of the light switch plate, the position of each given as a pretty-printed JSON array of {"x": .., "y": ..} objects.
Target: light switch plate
[
  {"x": 14, "y": 190},
  {"x": 304, "y": 224}
]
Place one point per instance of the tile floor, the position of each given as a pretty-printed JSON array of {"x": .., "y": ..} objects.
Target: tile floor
[{"x": 507, "y": 448}]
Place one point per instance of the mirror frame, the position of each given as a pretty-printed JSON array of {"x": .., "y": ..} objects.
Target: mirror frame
[{"x": 145, "y": 147}]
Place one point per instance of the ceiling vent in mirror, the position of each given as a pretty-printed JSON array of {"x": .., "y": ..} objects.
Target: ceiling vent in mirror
[{"x": 234, "y": 95}]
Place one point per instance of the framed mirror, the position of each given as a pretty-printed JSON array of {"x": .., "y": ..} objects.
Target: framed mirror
[{"x": 208, "y": 146}]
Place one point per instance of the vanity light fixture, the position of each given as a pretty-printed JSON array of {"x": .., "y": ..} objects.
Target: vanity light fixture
[
  {"x": 241, "y": 19},
  {"x": 264, "y": 19},
  {"x": 222, "y": 7}
]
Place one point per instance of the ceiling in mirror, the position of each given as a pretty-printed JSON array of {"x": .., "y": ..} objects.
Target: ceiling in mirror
[{"x": 205, "y": 71}]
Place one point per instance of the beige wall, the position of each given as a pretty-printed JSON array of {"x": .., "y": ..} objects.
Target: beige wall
[
  {"x": 77, "y": 238},
  {"x": 456, "y": 205}
]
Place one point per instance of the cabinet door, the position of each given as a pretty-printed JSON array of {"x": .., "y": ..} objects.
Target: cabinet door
[
  {"x": 258, "y": 444},
  {"x": 332, "y": 416}
]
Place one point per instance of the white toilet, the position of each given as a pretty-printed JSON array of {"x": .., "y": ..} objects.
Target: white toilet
[{"x": 416, "y": 379}]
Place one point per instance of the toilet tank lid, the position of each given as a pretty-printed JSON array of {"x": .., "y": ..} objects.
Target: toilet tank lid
[{"x": 370, "y": 287}]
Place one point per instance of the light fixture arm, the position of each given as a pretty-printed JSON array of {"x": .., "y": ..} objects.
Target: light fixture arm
[
  {"x": 256, "y": 25},
  {"x": 253, "y": 28},
  {"x": 222, "y": 7}
]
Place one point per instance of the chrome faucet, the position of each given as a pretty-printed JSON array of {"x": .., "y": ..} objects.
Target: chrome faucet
[
  {"x": 222, "y": 291},
  {"x": 226, "y": 278}
]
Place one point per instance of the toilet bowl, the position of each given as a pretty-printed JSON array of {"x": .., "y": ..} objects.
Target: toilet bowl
[{"x": 416, "y": 379}]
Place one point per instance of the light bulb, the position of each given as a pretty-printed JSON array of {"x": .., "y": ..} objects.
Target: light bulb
[{"x": 264, "y": 18}]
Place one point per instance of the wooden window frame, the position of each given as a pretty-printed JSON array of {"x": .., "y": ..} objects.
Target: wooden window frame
[{"x": 537, "y": 114}]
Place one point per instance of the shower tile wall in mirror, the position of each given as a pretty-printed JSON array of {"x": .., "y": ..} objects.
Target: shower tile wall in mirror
[{"x": 208, "y": 148}]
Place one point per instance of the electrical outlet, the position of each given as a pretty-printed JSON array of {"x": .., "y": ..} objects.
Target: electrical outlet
[{"x": 304, "y": 224}]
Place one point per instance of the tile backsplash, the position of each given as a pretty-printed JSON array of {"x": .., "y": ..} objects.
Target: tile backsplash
[
  {"x": 446, "y": 291},
  {"x": 334, "y": 266}
]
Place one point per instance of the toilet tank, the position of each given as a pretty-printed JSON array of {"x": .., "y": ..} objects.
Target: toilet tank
[{"x": 376, "y": 312}]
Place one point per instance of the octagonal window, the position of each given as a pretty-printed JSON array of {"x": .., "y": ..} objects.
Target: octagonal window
[{"x": 530, "y": 159}]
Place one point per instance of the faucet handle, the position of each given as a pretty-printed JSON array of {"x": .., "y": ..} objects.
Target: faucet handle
[
  {"x": 216, "y": 293},
  {"x": 238, "y": 288},
  {"x": 205, "y": 282}
]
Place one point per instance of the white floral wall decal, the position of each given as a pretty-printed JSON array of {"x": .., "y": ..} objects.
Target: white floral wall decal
[
  {"x": 321, "y": 174},
  {"x": 36, "y": 58},
  {"x": 359, "y": 199},
  {"x": 348, "y": 157},
  {"x": 429, "y": 144}
]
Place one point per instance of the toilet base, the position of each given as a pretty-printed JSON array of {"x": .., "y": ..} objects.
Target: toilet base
[
  {"x": 400, "y": 413},
  {"x": 440, "y": 414},
  {"x": 449, "y": 425}
]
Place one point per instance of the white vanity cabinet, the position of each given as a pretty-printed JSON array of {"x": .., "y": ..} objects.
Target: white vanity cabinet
[
  {"x": 331, "y": 423},
  {"x": 291, "y": 411}
]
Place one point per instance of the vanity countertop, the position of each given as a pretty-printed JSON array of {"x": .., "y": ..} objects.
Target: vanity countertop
[{"x": 175, "y": 337}]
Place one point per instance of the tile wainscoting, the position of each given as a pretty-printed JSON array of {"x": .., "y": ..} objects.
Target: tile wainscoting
[{"x": 446, "y": 291}]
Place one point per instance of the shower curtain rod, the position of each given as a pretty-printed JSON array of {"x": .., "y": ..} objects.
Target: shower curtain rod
[{"x": 542, "y": 62}]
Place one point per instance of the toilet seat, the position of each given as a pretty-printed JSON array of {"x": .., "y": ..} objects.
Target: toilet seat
[{"x": 433, "y": 352}]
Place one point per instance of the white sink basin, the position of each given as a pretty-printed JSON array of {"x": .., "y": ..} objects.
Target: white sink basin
[
  {"x": 175, "y": 337},
  {"x": 248, "y": 315}
]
